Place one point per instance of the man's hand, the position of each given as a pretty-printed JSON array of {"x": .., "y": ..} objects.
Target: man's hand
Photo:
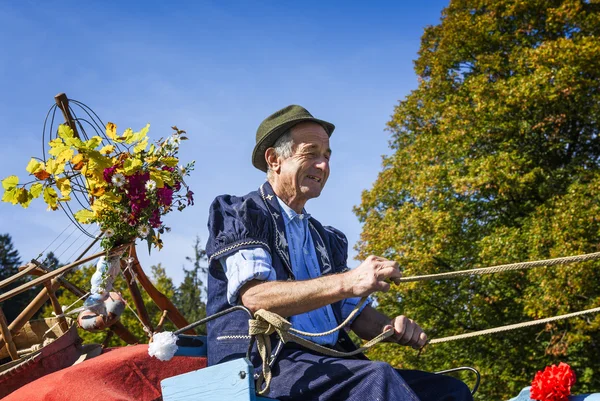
[
  {"x": 407, "y": 332},
  {"x": 370, "y": 276}
]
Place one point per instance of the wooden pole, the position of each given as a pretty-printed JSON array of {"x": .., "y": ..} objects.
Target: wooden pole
[
  {"x": 52, "y": 274},
  {"x": 159, "y": 298},
  {"x": 23, "y": 270},
  {"x": 10, "y": 345},
  {"x": 63, "y": 104},
  {"x": 117, "y": 327},
  {"x": 137, "y": 298},
  {"x": 30, "y": 310},
  {"x": 62, "y": 322}
]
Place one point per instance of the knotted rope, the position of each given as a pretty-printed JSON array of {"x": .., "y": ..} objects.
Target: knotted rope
[{"x": 266, "y": 323}]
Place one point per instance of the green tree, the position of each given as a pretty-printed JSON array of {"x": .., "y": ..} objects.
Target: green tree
[
  {"x": 496, "y": 160},
  {"x": 190, "y": 293},
  {"x": 9, "y": 265}
]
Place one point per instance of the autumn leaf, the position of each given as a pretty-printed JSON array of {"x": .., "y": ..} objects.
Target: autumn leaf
[
  {"x": 10, "y": 182},
  {"x": 111, "y": 131},
  {"x": 51, "y": 198},
  {"x": 42, "y": 175}
]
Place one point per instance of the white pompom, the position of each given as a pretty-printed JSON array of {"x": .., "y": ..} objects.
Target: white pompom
[{"x": 163, "y": 345}]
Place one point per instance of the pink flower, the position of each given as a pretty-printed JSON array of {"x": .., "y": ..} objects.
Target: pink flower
[
  {"x": 108, "y": 173},
  {"x": 155, "y": 219},
  {"x": 165, "y": 196},
  {"x": 553, "y": 384}
]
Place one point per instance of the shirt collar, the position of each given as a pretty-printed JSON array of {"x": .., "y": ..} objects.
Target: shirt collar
[{"x": 289, "y": 213}]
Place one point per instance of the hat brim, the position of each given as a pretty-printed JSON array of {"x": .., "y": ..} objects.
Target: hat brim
[{"x": 267, "y": 141}]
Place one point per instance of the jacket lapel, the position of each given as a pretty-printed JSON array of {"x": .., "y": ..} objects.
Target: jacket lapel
[
  {"x": 321, "y": 249},
  {"x": 281, "y": 244}
]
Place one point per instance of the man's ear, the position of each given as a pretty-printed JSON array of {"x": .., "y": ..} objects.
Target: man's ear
[{"x": 272, "y": 160}]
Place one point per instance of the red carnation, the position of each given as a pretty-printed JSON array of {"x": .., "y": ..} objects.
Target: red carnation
[{"x": 553, "y": 384}]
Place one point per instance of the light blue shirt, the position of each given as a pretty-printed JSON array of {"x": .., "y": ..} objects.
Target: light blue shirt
[{"x": 255, "y": 264}]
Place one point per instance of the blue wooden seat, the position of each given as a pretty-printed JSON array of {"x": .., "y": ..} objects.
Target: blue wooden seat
[{"x": 230, "y": 381}]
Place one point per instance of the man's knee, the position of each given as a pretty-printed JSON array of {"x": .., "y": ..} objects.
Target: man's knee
[{"x": 455, "y": 389}]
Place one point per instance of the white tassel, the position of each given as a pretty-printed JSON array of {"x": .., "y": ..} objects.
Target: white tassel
[{"x": 163, "y": 345}]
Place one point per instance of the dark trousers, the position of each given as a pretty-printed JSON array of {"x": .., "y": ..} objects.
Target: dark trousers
[{"x": 304, "y": 375}]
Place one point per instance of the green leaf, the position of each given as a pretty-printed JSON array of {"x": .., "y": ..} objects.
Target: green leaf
[{"x": 10, "y": 182}]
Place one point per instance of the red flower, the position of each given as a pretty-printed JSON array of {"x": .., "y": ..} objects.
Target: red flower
[{"x": 553, "y": 384}]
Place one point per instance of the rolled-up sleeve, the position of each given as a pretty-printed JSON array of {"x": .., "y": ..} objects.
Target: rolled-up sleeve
[
  {"x": 348, "y": 306},
  {"x": 243, "y": 266}
]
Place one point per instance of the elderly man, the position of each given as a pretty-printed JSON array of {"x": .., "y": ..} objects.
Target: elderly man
[{"x": 266, "y": 252}]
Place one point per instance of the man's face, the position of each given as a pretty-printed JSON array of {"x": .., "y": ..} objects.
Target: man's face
[{"x": 304, "y": 174}]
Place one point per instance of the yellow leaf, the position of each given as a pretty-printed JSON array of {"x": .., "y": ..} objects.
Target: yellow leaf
[
  {"x": 167, "y": 177},
  {"x": 92, "y": 143},
  {"x": 64, "y": 186},
  {"x": 77, "y": 158},
  {"x": 110, "y": 197},
  {"x": 127, "y": 135},
  {"x": 56, "y": 142},
  {"x": 131, "y": 166},
  {"x": 36, "y": 189},
  {"x": 138, "y": 136},
  {"x": 107, "y": 149},
  {"x": 24, "y": 197},
  {"x": 157, "y": 177},
  {"x": 51, "y": 198},
  {"x": 10, "y": 195},
  {"x": 97, "y": 191},
  {"x": 77, "y": 161},
  {"x": 66, "y": 133},
  {"x": 58, "y": 149},
  {"x": 33, "y": 166},
  {"x": 54, "y": 167},
  {"x": 140, "y": 146},
  {"x": 170, "y": 161},
  {"x": 111, "y": 131},
  {"x": 10, "y": 182},
  {"x": 84, "y": 216},
  {"x": 65, "y": 155}
]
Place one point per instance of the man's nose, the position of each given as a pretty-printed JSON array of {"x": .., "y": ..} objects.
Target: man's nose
[{"x": 322, "y": 164}]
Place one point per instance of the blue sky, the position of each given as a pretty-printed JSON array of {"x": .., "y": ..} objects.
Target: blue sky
[{"x": 215, "y": 69}]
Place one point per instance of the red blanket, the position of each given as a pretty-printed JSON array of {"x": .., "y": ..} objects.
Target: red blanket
[{"x": 126, "y": 373}]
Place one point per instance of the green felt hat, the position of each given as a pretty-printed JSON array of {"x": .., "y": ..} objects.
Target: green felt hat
[{"x": 276, "y": 125}]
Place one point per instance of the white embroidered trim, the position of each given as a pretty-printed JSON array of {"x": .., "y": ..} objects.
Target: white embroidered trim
[
  {"x": 229, "y": 248},
  {"x": 234, "y": 337}
]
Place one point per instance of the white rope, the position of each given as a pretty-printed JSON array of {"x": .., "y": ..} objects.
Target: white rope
[{"x": 512, "y": 326}]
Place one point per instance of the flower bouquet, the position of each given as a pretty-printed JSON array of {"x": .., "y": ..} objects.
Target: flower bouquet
[{"x": 125, "y": 186}]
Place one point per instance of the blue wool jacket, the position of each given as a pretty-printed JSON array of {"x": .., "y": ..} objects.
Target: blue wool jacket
[{"x": 250, "y": 221}]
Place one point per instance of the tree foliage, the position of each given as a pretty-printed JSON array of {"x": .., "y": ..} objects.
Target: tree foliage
[
  {"x": 190, "y": 293},
  {"x": 9, "y": 265},
  {"x": 496, "y": 160}
]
